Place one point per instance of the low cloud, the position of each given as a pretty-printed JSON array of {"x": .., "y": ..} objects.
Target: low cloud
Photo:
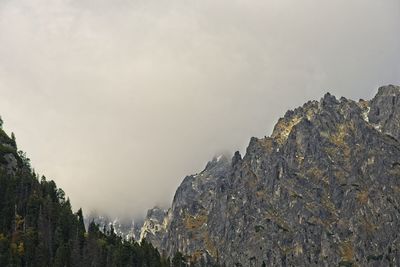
[{"x": 118, "y": 100}]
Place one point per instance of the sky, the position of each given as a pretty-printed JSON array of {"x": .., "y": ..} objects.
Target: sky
[{"x": 118, "y": 100}]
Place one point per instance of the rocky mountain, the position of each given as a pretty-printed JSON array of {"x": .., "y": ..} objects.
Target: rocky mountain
[
  {"x": 322, "y": 190},
  {"x": 154, "y": 225}
]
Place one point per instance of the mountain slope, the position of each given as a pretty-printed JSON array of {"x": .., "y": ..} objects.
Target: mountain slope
[
  {"x": 323, "y": 189},
  {"x": 38, "y": 228}
]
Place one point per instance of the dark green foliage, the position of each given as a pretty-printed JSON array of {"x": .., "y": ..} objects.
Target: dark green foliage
[
  {"x": 374, "y": 257},
  {"x": 38, "y": 228},
  {"x": 258, "y": 228},
  {"x": 178, "y": 260},
  {"x": 13, "y": 141}
]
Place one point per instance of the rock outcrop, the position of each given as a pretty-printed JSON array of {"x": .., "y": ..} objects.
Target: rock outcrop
[{"x": 322, "y": 190}]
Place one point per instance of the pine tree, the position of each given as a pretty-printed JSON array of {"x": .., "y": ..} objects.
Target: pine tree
[
  {"x": 14, "y": 142},
  {"x": 178, "y": 260}
]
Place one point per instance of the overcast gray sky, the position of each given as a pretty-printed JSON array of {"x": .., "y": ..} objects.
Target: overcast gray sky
[{"x": 118, "y": 100}]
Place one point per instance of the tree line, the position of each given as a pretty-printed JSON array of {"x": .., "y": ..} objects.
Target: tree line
[{"x": 39, "y": 229}]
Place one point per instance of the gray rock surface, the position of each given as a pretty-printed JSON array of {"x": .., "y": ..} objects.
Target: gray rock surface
[
  {"x": 385, "y": 110},
  {"x": 322, "y": 190},
  {"x": 153, "y": 229}
]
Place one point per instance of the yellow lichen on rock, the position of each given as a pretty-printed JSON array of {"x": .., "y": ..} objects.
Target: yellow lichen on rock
[
  {"x": 210, "y": 246},
  {"x": 283, "y": 129},
  {"x": 369, "y": 226},
  {"x": 21, "y": 249},
  {"x": 347, "y": 251},
  {"x": 362, "y": 197},
  {"x": 329, "y": 205},
  {"x": 338, "y": 138},
  {"x": 298, "y": 249},
  {"x": 195, "y": 222}
]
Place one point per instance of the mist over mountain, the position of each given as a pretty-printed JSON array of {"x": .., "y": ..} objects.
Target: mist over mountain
[
  {"x": 176, "y": 133},
  {"x": 321, "y": 190},
  {"x": 141, "y": 93}
]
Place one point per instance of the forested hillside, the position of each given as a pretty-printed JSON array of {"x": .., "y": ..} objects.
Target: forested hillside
[{"x": 38, "y": 227}]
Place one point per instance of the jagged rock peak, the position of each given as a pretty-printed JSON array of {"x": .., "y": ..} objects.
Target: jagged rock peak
[
  {"x": 323, "y": 190},
  {"x": 236, "y": 158},
  {"x": 329, "y": 99},
  {"x": 154, "y": 226},
  {"x": 388, "y": 90},
  {"x": 217, "y": 162},
  {"x": 156, "y": 213},
  {"x": 384, "y": 110}
]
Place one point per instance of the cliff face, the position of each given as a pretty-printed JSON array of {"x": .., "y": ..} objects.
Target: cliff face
[{"x": 322, "y": 190}]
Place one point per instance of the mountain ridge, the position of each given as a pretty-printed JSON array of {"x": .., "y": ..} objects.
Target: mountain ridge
[{"x": 321, "y": 190}]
